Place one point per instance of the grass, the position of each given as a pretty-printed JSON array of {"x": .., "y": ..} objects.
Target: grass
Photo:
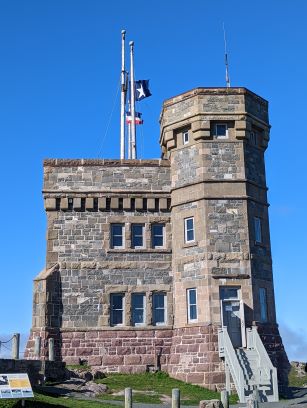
[
  {"x": 44, "y": 401},
  {"x": 81, "y": 367},
  {"x": 157, "y": 385},
  {"x": 295, "y": 380}
]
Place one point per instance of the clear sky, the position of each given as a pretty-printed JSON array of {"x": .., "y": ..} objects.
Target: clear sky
[{"x": 59, "y": 75}]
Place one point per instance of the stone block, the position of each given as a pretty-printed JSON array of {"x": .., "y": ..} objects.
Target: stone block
[
  {"x": 151, "y": 204},
  {"x": 112, "y": 360},
  {"x": 89, "y": 203},
  {"x": 214, "y": 403},
  {"x": 114, "y": 203},
  {"x": 132, "y": 359},
  {"x": 77, "y": 203},
  {"x": 127, "y": 203},
  {"x": 163, "y": 204},
  {"x": 94, "y": 360},
  {"x": 50, "y": 204},
  {"x": 102, "y": 203},
  {"x": 139, "y": 203},
  {"x": 64, "y": 204}
]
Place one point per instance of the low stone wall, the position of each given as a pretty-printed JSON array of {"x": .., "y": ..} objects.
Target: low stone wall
[{"x": 36, "y": 369}]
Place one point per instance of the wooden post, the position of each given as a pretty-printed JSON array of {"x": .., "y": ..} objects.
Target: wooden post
[
  {"x": 15, "y": 346},
  {"x": 37, "y": 347},
  {"x": 175, "y": 398},
  {"x": 225, "y": 398},
  {"x": 51, "y": 349},
  {"x": 128, "y": 398}
]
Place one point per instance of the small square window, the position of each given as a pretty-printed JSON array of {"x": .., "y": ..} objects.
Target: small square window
[
  {"x": 189, "y": 235},
  {"x": 221, "y": 130},
  {"x": 117, "y": 309},
  {"x": 185, "y": 137},
  {"x": 192, "y": 305},
  {"x": 263, "y": 305},
  {"x": 157, "y": 235},
  {"x": 137, "y": 235},
  {"x": 159, "y": 308},
  {"x": 117, "y": 235},
  {"x": 257, "y": 230},
  {"x": 138, "y": 309}
]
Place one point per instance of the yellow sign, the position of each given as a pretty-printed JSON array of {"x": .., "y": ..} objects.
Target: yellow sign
[{"x": 15, "y": 386}]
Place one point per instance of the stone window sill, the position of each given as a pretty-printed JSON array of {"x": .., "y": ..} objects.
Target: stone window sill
[
  {"x": 139, "y": 250},
  {"x": 138, "y": 328},
  {"x": 190, "y": 244}
]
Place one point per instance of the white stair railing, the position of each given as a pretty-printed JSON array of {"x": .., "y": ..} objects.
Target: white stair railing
[
  {"x": 267, "y": 373},
  {"x": 227, "y": 351}
]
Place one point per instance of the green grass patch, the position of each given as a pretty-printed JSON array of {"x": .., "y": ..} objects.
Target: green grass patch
[
  {"x": 295, "y": 380},
  {"x": 157, "y": 385},
  {"x": 81, "y": 367},
  {"x": 44, "y": 401}
]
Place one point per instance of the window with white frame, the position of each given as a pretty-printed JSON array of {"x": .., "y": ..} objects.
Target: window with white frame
[
  {"x": 263, "y": 305},
  {"x": 221, "y": 130},
  {"x": 117, "y": 309},
  {"x": 137, "y": 235},
  {"x": 159, "y": 308},
  {"x": 138, "y": 309},
  {"x": 185, "y": 137},
  {"x": 157, "y": 235},
  {"x": 257, "y": 229},
  {"x": 189, "y": 234},
  {"x": 117, "y": 235},
  {"x": 192, "y": 305}
]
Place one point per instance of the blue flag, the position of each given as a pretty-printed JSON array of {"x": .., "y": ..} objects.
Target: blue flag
[{"x": 142, "y": 89}]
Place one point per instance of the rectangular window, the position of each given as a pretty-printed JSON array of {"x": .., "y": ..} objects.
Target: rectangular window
[
  {"x": 137, "y": 235},
  {"x": 159, "y": 308},
  {"x": 117, "y": 309},
  {"x": 253, "y": 138},
  {"x": 263, "y": 305},
  {"x": 221, "y": 130},
  {"x": 192, "y": 305},
  {"x": 185, "y": 137},
  {"x": 117, "y": 235},
  {"x": 157, "y": 235},
  {"x": 189, "y": 229},
  {"x": 138, "y": 309},
  {"x": 229, "y": 292},
  {"x": 257, "y": 228}
]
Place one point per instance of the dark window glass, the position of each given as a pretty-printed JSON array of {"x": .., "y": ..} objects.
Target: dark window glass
[
  {"x": 117, "y": 309},
  {"x": 221, "y": 130},
  {"x": 159, "y": 308},
  {"x": 157, "y": 235},
  {"x": 138, "y": 308},
  {"x": 137, "y": 235},
  {"x": 189, "y": 229},
  {"x": 117, "y": 235},
  {"x": 192, "y": 305}
]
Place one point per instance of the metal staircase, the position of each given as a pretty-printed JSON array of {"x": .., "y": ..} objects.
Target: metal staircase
[{"x": 250, "y": 367}]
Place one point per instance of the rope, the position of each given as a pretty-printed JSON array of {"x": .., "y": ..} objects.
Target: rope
[
  {"x": 7, "y": 341},
  {"x": 110, "y": 118}
]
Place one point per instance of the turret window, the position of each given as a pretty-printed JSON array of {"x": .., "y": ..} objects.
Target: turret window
[
  {"x": 257, "y": 228},
  {"x": 185, "y": 137},
  {"x": 192, "y": 305},
  {"x": 189, "y": 234},
  {"x": 263, "y": 305},
  {"x": 221, "y": 130}
]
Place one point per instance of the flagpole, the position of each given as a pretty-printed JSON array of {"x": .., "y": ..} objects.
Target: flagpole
[
  {"x": 132, "y": 102},
  {"x": 226, "y": 59},
  {"x": 122, "y": 101}
]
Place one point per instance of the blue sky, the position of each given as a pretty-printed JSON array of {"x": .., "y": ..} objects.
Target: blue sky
[{"x": 59, "y": 75}]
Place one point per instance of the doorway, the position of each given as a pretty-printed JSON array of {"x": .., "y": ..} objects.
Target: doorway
[{"x": 232, "y": 315}]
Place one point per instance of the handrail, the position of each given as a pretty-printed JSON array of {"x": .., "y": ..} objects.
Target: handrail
[{"x": 231, "y": 359}]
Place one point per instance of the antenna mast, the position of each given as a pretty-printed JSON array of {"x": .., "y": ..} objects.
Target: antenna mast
[
  {"x": 122, "y": 100},
  {"x": 226, "y": 60}
]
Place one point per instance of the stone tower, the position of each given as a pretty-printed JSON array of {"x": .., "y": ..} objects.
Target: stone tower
[
  {"x": 215, "y": 140},
  {"x": 148, "y": 259}
]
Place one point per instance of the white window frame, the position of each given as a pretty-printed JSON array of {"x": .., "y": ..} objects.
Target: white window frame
[
  {"x": 164, "y": 323},
  {"x": 263, "y": 302},
  {"x": 189, "y": 305},
  {"x": 215, "y": 130},
  {"x": 143, "y": 308},
  {"x": 143, "y": 235},
  {"x": 163, "y": 236},
  {"x": 258, "y": 230},
  {"x": 185, "y": 137},
  {"x": 112, "y": 310},
  {"x": 186, "y": 230},
  {"x": 112, "y": 235}
]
